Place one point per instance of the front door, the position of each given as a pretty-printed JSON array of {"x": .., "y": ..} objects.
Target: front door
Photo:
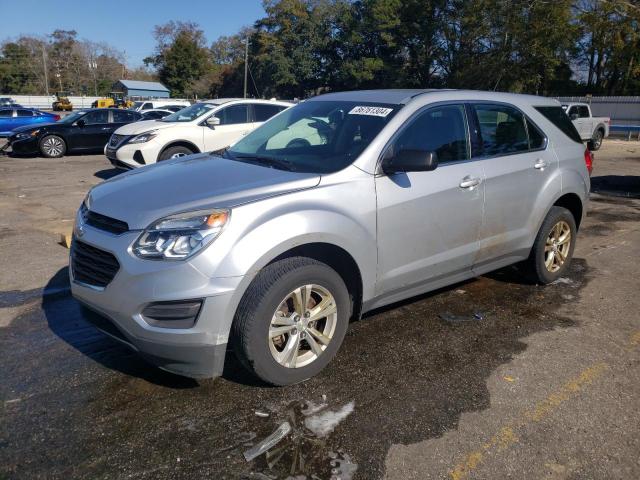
[
  {"x": 517, "y": 167},
  {"x": 429, "y": 222},
  {"x": 234, "y": 124},
  {"x": 95, "y": 132}
]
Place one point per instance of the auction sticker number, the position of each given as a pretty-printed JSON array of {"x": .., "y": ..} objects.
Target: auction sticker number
[{"x": 375, "y": 111}]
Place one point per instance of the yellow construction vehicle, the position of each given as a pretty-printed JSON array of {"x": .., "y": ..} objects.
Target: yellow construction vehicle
[
  {"x": 62, "y": 103},
  {"x": 114, "y": 99}
]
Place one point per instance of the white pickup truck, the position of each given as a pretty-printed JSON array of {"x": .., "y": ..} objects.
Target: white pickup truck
[{"x": 591, "y": 129}]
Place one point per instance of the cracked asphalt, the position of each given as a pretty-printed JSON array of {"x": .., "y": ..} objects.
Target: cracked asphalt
[{"x": 523, "y": 382}]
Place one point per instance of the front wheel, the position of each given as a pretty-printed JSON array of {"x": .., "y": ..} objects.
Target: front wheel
[
  {"x": 52, "y": 146},
  {"x": 596, "y": 141},
  {"x": 291, "y": 320},
  {"x": 174, "y": 152},
  {"x": 552, "y": 250}
]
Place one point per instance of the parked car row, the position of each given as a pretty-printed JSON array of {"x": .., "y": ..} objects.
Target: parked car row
[
  {"x": 202, "y": 127},
  {"x": 272, "y": 245},
  {"x": 82, "y": 131}
]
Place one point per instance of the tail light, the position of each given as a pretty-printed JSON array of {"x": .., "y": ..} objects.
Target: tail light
[
  {"x": 588, "y": 160},
  {"x": 56, "y": 118}
]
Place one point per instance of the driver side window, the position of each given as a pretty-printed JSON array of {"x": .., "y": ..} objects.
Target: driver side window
[{"x": 441, "y": 130}]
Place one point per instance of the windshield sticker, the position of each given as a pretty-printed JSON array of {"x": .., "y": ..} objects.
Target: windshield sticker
[{"x": 375, "y": 111}]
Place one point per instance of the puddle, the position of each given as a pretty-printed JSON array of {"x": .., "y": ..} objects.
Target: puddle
[
  {"x": 617, "y": 185},
  {"x": 87, "y": 403},
  {"x": 299, "y": 447}
]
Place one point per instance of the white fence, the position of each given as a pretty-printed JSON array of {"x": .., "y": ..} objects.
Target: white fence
[{"x": 44, "y": 102}]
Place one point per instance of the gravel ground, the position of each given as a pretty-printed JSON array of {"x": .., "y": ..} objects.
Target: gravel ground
[{"x": 545, "y": 385}]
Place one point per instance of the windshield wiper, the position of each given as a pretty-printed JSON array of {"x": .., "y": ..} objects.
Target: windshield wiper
[{"x": 260, "y": 160}]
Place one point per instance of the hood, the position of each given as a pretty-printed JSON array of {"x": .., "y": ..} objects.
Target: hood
[
  {"x": 140, "y": 197},
  {"x": 139, "y": 127},
  {"x": 33, "y": 126}
]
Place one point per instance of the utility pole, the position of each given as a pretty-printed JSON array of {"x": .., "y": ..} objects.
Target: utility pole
[
  {"x": 44, "y": 63},
  {"x": 246, "y": 64}
]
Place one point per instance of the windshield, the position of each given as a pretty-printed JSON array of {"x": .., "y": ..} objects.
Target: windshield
[
  {"x": 190, "y": 113},
  {"x": 71, "y": 117},
  {"x": 315, "y": 136}
]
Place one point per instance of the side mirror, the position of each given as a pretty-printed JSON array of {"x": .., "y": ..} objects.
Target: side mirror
[
  {"x": 410, "y": 161},
  {"x": 574, "y": 116},
  {"x": 212, "y": 122},
  {"x": 81, "y": 123}
]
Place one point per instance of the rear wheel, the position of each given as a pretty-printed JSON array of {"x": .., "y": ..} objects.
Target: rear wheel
[
  {"x": 174, "y": 152},
  {"x": 52, "y": 146},
  {"x": 291, "y": 321},
  {"x": 552, "y": 250},
  {"x": 596, "y": 141}
]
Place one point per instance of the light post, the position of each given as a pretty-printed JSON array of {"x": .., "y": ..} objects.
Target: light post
[{"x": 93, "y": 66}]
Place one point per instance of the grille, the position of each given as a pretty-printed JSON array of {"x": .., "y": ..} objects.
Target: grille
[
  {"x": 116, "y": 140},
  {"x": 102, "y": 222},
  {"x": 91, "y": 265}
]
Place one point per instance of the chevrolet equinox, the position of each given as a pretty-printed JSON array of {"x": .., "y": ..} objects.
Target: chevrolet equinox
[{"x": 339, "y": 205}]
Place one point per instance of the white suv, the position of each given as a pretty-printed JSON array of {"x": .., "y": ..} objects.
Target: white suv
[{"x": 202, "y": 127}]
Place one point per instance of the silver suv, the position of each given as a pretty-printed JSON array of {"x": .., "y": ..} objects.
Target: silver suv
[{"x": 341, "y": 204}]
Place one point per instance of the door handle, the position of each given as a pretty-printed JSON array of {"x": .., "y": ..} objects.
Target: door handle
[
  {"x": 469, "y": 182},
  {"x": 106, "y": 128},
  {"x": 541, "y": 164}
]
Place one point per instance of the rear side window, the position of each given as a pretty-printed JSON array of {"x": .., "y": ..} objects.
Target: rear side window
[
  {"x": 502, "y": 129},
  {"x": 441, "y": 130},
  {"x": 6, "y": 113},
  {"x": 122, "y": 116},
  {"x": 233, "y": 115},
  {"x": 25, "y": 113},
  {"x": 96, "y": 117},
  {"x": 147, "y": 106},
  {"x": 263, "y": 112},
  {"x": 583, "y": 111},
  {"x": 561, "y": 120}
]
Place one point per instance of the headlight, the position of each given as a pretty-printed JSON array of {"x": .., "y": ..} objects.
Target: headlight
[
  {"x": 144, "y": 137},
  {"x": 22, "y": 136},
  {"x": 179, "y": 236}
]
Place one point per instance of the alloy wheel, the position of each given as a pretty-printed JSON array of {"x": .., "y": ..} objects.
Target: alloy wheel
[
  {"x": 557, "y": 247},
  {"x": 302, "y": 326},
  {"x": 53, "y": 146},
  {"x": 178, "y": 155}
]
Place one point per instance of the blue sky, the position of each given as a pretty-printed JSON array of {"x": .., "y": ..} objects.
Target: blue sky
[{"x": 126, "y": 25}]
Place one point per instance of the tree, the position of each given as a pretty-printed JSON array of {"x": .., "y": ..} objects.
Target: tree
[{"x": 181, "y": 56}]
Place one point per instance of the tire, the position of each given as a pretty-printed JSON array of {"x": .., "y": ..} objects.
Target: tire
[
  {"x": 596, "y": 141},
  {"x": 262, "y": 303},
  {"x": 174, "y": 152},
  {"x": 538, "y": 267},
  {"x": 52, "y": 146}
]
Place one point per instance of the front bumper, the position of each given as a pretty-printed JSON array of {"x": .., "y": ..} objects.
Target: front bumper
[
  {"x": 26, "y": 146},
  {"x": 129, "y": 156},
  {"x": 196, "y": 352}
]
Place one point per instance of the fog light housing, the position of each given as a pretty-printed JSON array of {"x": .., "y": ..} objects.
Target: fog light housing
[{"x": 172, "y": 314}]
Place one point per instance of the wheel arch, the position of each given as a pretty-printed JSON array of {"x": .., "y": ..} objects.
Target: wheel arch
[
  {"x": 179, "y": 143},
  {"x": 573, "y": 203},
  {"x": 339, "y": 260}
]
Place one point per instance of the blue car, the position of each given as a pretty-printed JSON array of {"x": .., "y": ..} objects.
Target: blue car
[{"x": 14, "y": 117}]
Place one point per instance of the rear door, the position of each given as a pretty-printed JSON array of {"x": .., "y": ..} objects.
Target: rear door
[
  {"x": 23, "y": 118},
  {"x": 7, "y": 120},
  {"x": 517, "y": 165},
  {"x": 429, "y": 222},
  {"x": 234, "y": 124},
  {"x": 96, "y": 131},
  {"x": 586, "y": 121}
]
